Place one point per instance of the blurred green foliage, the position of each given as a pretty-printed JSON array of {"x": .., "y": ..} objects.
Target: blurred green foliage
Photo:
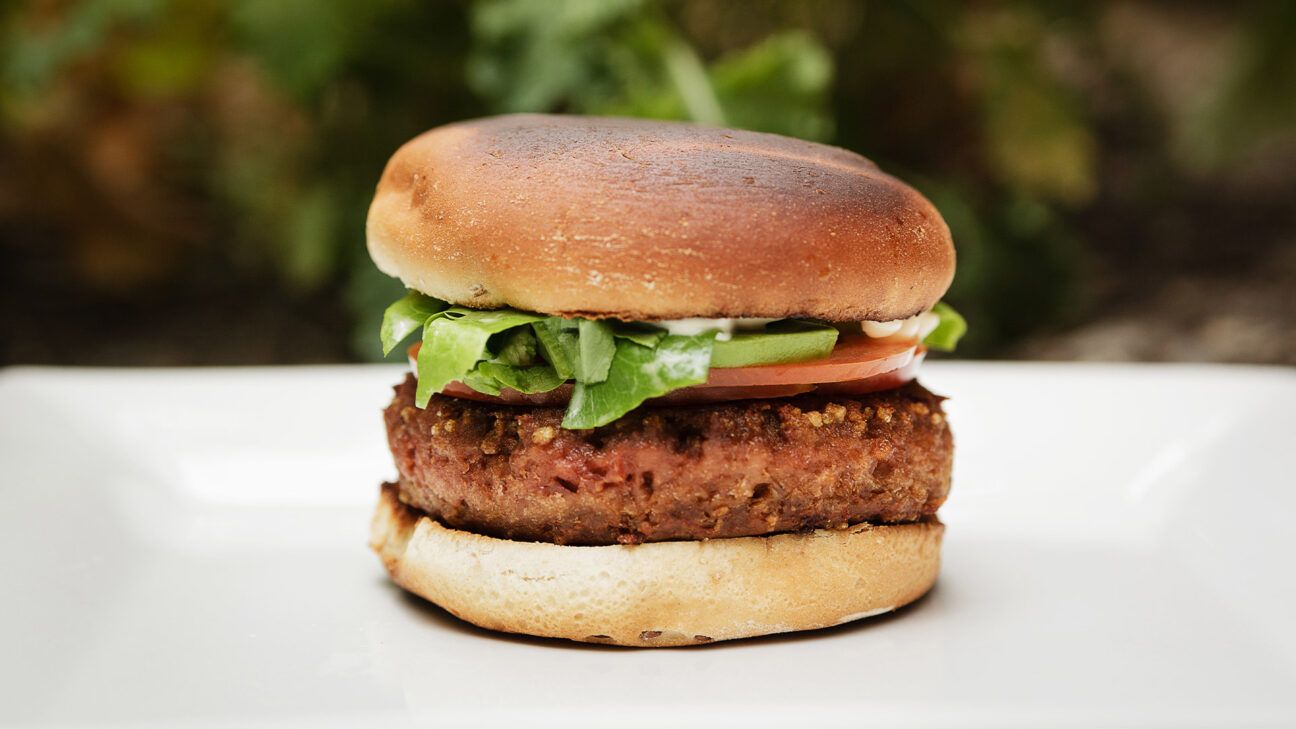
[
  {"x": 626, "y": 58},
  {"x": 159, "y": 140}
]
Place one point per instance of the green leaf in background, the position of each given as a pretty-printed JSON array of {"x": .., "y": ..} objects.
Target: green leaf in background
[
  {"x": 597, "y": 348},
  {"x": 537, "y": 378},
  {"x": 455, "y": 341},
  {"x": 951, "y": 328},
  {"x": 517, "y": 347},
  {"x": 629, "y": 58},
  {"x": 532, "y": 55},
  {"x": 405, "y": 317},
  {"x": 638, "y": 373},
  {"x": 1038, "y": 139},
  {"x": 779, "y": 85},
  {"x": 557, "y": 345}
]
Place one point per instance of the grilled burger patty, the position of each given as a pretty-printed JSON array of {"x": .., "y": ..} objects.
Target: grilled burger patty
[{"x": 691, "y": 472}]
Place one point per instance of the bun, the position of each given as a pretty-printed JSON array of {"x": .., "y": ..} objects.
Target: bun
[
  {"x": 660, "y": 593},
  {"x": 645, "y": 220}
]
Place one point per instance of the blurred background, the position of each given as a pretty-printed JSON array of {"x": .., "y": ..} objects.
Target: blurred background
[{"x": 185, "y": 182}]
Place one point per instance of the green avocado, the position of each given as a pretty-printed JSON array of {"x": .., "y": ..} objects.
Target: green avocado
[{"x": 783, "y": 341}]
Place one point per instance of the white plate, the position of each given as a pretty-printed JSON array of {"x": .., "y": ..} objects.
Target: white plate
[{"x": 182, "y": 548}]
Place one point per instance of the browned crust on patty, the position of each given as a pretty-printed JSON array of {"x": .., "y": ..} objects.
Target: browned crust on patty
[
  {"x": 641, "y": 219},
  {"x": 695, "y": 472}
]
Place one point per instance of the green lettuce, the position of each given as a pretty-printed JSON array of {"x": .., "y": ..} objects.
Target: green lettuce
[
  {"x": 641, "y": 334},
  {"x": 482, "y": 383},
  {"x": 557, "y": 345},
  {"x": 636, "y": 374},
  {"x": 406, "y": 316},
  {"x": 454, "y": 341},
  {"x": 516, "y": 347},
  {"x": 533, "y": 379},
  {"x": 947, "y": 333},
  {"x": 596, "y": 349}
]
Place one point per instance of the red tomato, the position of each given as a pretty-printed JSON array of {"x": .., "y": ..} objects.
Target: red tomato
[
  {"x": 855, "y": 357},
  {"x": 877, "y": 383}
]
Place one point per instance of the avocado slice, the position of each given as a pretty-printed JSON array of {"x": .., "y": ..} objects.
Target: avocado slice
[{"x": 783, "y": 341}]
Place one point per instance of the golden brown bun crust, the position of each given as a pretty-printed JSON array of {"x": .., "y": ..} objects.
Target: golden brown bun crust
[
  {"x": 659, "y": 594},
  {"x": 638, "y": 219}
]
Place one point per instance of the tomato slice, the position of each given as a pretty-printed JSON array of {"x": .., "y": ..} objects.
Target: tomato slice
[
  {"x": 856, "y": 357},
  {"x": 877, "y": 383},
  {"x": 857, "y": 365}
]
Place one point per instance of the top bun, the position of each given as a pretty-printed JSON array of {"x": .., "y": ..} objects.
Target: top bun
[{"x": 643, "y": 220}]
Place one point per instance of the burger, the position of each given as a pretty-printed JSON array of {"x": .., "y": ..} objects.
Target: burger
[{"x": 663, "y": 391}]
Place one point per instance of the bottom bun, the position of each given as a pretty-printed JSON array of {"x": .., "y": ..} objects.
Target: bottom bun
[{"x": 660, "y": 593}]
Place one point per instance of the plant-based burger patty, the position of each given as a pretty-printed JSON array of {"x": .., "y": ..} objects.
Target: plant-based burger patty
[{"x": 691, "y": 472}]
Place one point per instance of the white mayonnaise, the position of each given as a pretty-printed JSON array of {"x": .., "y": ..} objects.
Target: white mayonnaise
[
  {"x": 724, "y": 328},
  {"x": 915, "y": 327}
]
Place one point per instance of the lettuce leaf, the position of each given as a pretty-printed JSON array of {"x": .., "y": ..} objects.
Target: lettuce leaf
[
  {"x": 406, "y": 316},
  {"x": 454, "y": 341},
  {"x": 641, "y": 334},
  {"x": 517, "y": 347},
  {"x": 482, "y": 383},
  {"x": 596, "y": 350},
  {"x": 557, "y": 345},
  {"x": 951, "y": 328},
  {"x": 533, "y": 379},
  {"x": 636, "y": 374}
]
